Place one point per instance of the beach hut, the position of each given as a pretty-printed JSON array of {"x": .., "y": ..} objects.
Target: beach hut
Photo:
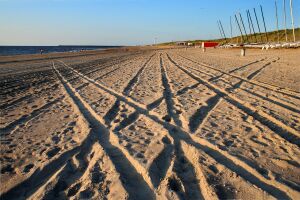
[
  {"x": 209, "y": 44},
  {"x": 181, "y": 43}
]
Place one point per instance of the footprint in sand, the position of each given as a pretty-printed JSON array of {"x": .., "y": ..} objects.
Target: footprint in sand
[
  {"x": 228, "y": 143},
  {"x": 86, "y": 194},
  {"x": 175, "y": 184},
  {"x": 28, "y": 167},
  {"x": 73, "y": 190},
  {"x": 149, "y": 133},
  {"x": 214, "y": 169},
  {"x": 55, "y": 139},
  {"x": 53, "y": 152},
  {"x": 167, "y": 118},
  {"x": 72, "y": 124},
  {"x": 139, "y": 155},
  {"x": 7, "y": 169},
  {"x": 8, "y": 151}
]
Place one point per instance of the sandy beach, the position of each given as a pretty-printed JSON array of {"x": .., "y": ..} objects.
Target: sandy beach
[{"x": 148, "y": 123}]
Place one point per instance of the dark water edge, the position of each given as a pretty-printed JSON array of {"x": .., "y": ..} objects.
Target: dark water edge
[{"x": 19, "y": 50}]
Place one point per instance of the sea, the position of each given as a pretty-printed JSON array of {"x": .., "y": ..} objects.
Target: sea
[{"x": 19, "y": 50}]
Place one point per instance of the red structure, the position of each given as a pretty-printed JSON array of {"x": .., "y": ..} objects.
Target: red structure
[{"x": 209, "y": 44}]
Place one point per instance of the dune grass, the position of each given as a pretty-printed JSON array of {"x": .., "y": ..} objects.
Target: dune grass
[{"x": 260, "y": 38}]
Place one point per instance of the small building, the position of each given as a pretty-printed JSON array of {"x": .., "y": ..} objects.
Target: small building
[
  {"x": 209, "y": 44},
  {"x": 198, "y": 44},
  {"x": 181, "y": 43}
]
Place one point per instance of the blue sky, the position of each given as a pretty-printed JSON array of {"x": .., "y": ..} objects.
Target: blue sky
[{"x": 125, "y": 22}]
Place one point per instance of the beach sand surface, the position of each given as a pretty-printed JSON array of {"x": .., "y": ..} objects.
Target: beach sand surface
[{"x": 149, "y": 123}]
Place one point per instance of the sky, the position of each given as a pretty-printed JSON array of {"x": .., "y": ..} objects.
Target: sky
[{"x": 127, "y": 22}]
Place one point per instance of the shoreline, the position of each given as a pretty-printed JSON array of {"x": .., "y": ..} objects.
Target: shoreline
[
  {"x": 54, "y": 55},
  {"x": 10, "y": 50}
]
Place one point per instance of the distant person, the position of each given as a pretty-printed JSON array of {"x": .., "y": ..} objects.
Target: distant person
[{"x": 41, "y": 51}]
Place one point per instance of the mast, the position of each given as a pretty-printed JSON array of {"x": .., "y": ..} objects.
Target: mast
[
  {"x": 252, "y": 25},
  {"x": 220, "y": 29},
  {"x": 230, "y": 28},
  {"x": 237, "y": 21},
  {"x": 277, "y": 21},
  {"x": 262, "y": 14},
  {"x": 284, "y": 16},
  {"x": 250, "y": 36},
  {"x": 258, "y": 25},
  {"x": 243, "y": 26},
  {"x": 292, "y": 17},
  {"x": 223, "y": 30}
]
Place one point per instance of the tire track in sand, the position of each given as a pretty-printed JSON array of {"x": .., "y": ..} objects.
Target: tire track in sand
[
  {"x": 135, "y": 184},
  {"x": 25, "y": 118},
  {"x": 173, "y": 108},
  {"x": 275, "y": 100},
  {"x": 278, "y": 127},
  {"x": 242, "y": 169},
  {"x": 201, "y": 115},
  {"x": 285, "y": 91},
  {"x": 113, "y": 112}
]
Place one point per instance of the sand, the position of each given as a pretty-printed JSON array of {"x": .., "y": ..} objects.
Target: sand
[{"x": 151, "y": 124}]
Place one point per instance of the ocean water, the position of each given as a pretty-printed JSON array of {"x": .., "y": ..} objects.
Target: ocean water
[{"x": 18, "y": 50}]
